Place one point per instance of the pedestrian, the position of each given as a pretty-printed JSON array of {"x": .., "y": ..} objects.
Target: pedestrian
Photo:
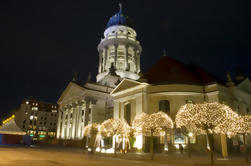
[{"x": 181, "y": 148}]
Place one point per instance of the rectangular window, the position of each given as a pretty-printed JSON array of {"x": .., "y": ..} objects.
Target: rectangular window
[{"x": 34, "y": 108}]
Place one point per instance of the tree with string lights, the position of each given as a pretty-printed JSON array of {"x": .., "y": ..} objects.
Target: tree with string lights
[
  {"x": 91, "y": 131},
  {"x": 117, "y": 128},
  {"x": 155, "y": 124},
  {"x": 245, "y": 129},
  {"x": 208, "y": 119}
]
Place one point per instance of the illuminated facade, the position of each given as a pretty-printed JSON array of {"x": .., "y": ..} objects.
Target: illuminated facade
[
  {"x": 38, "y": 119},
  {"x": 121, "y": 92},
  {"x": 119, "y": 57},
  {"x": 166, "y": 87}
]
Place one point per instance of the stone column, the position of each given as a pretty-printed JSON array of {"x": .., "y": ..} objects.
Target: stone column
[
  {"x": 68, "y": 123},
  {"x": 224, "y": 145},
  {"x": 79, "y": 119},
  {"x": 135, "y": 59},
  {"x": 105, "y": 59},
  {"x": 91, "y": 112},
  {"x": 126, "y": 57},
  {"x": 73, "y": 128},
  {"x": 86, "y": 113},
  {"x": 82, "y": 119},
  {"x": 138, "y": 62},
  {"x": 100, "y": 62},
  {"x": 63, "y": 124},
  {"x": 59, "y": 124},
  {"x": 76, "y": 121},
  {"x": 115, "y": 56},
  {"x": 117, "y": 111}
]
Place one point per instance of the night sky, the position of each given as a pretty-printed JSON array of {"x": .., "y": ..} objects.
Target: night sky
[{"x": 44, "y": 42}]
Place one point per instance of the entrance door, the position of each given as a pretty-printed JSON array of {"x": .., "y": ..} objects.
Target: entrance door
[{"x": 127, "y": 113}]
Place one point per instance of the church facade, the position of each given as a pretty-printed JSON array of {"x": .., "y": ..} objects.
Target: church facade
[
  {"x": 170, "y": 84},
  {"x": 119, "y": 57},
  {"x": 121, "y": 91}
]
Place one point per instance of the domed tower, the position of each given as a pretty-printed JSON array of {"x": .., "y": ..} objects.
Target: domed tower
[{"x": 119, "y": 49}]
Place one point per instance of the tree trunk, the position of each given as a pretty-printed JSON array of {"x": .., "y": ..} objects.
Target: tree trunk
[
  {"x": 245, "y": 148},
  {"x": 151, "y": 146},
  {"x": 188, "y": 147},
  {"x": 100, "y": 145},
  {"x": 211, "y": 145},
  {"x": 115, "y": 147}
]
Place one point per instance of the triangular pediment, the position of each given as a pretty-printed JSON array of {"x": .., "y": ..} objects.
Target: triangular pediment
[
  {"x": 73, "y": 90},
  {"x": 126, "y": 84}
]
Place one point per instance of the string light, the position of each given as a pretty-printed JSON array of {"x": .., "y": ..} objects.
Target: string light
[
  {"x": 113, "y": 127},
  {"x": 91, "y": 128},
  {"x": 212, "y": 117},
  {"x": 245, "y": 124},
  {"x": 157, "y": 123}
]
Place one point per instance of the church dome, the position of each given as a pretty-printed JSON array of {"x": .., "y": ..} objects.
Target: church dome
[{"x": 120, "y": 19}]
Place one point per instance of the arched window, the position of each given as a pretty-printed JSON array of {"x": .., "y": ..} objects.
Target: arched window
[
  {"x": 164, "y": 106},
  {"x": 127, "y": 113}
]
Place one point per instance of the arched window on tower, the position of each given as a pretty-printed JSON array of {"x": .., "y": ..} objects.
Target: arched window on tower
[
  {"x": 164, "y": 106},
  {"x": 127, "y": 113}
]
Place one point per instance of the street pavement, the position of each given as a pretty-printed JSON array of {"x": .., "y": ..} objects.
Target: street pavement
[{"x": 63, "y": 156}]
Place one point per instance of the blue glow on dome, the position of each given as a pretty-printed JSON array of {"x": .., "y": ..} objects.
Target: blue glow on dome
[{"x": 119, "y": 19}]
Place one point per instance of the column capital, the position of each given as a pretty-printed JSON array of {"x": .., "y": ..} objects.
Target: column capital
[
  {"x": 80, "y": 102},
  {"x": 74, "y": 104}
]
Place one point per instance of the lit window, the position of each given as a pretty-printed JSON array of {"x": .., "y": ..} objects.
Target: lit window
[
  {"x": 34, "y": 108},
  {"x": 164, "y": 106}
]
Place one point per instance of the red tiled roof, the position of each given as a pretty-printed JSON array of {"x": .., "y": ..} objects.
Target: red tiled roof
[{"x": 168, "y": 70}]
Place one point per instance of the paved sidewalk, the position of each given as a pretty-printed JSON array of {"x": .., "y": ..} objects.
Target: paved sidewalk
[
  {"x": 63, "y": 156},
  {"x": 197, "y": 159}
]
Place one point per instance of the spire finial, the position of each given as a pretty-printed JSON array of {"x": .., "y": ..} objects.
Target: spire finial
[
  {"x": 164, "y": 52},
  {"x": 75, "y": 75},
  {"x": 229, "y": 80},
  {"x": 120, "y": 7}
]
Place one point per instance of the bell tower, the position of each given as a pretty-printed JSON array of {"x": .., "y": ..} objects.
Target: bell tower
[{"x": 119, "y": 49}]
